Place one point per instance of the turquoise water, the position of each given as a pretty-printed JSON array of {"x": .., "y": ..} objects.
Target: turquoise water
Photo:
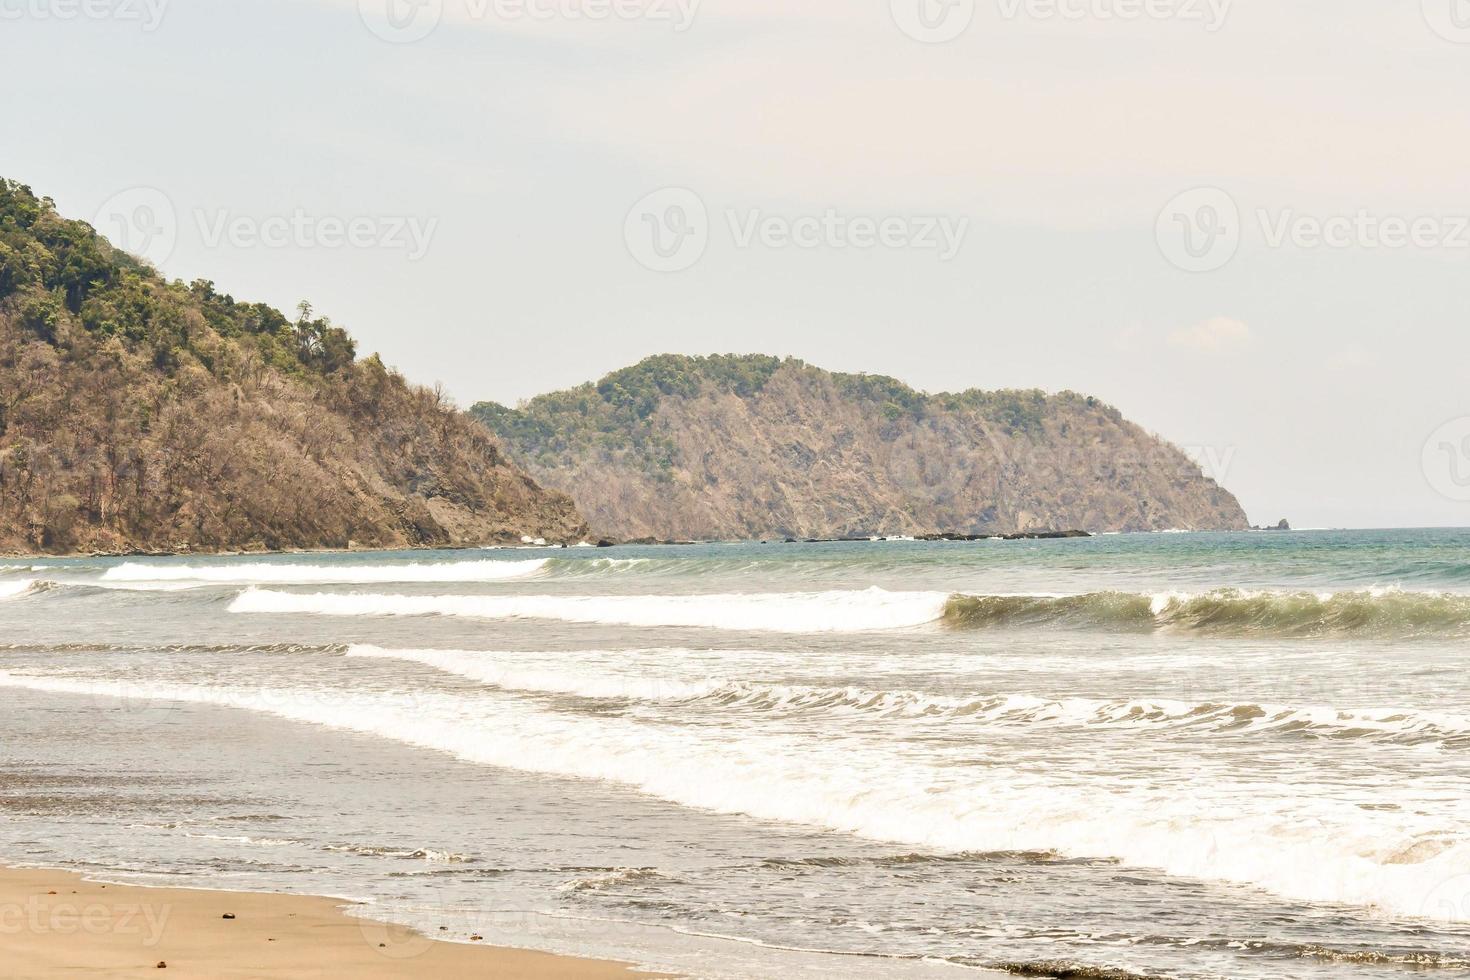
[{"x": 1193, "y": 755}]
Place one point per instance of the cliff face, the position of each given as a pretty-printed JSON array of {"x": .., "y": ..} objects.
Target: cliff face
[
  {"x": 139, "y": 414},
  {"x": 751, "y": 447}
]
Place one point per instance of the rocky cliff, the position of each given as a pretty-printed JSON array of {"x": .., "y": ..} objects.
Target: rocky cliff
[
  {"x": 142, "y": 414},
  {"x": 739, "y": 447}
]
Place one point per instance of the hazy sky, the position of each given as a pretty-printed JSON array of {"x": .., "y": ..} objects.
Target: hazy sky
[{"x": 1246, "y": 224}]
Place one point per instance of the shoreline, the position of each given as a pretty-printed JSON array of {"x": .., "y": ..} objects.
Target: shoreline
[
  {"x": 604, "y": 543},
  {"x": 56, "y": 924},
  {"x": 267, "y": 553}
]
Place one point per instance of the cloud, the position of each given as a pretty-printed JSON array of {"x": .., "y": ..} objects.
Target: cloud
[
  {"x": 1130, "y": 338},
  {"x": 1041, "y": 122},
  {"x": 1355, "y": 357},
  {"x": 1217, "y": 335}
]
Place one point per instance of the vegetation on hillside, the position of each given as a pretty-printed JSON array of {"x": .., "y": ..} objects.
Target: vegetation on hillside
[
  {"x": 750, "y": 446},
  {"x": 139, "y": 413},
  {"x": 614, "y": 417}
]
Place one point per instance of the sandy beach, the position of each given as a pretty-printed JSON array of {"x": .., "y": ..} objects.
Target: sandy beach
[{"x": 56, "y": 924}]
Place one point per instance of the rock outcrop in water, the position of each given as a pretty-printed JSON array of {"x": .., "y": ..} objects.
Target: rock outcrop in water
[
  {"x": 141, "y": 414},
  {"x": 750, "y": 447}
]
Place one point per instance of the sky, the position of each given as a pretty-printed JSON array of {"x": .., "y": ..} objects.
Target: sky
[{"x": 1243, "y": 222}]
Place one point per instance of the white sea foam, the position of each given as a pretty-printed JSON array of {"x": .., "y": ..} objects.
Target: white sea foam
[
  {"x": 509, "y": 671},
  {"x": 815, "y": 612},
  {"x": 417, "y": 854},
  {"x": 148, "y": 586},
  {"x": 9, "y": 590},
  {"x": 601, "y": 677},
  {"x": 241, "y": 839},
  {"x": 702, "y": 664},
  {"x": 612, "y": 879},
  {"x": 680, "y": 672},
  {"x": 1211, "y": 824},
  {"x": 267, "y": 573}
]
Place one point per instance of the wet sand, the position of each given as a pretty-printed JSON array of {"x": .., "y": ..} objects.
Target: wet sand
[{"x": 56, "y": 924}]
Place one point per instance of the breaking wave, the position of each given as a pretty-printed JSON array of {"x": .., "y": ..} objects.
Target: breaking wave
[
  {"x": 816, "y": 612},
  {"x": 879, "y": 791},
  {"x": 1389, "y": 614},
  {"x": 518, "y": 672},
  {"x": 14, "y": 590},
  {"x": 9, "y": 590},
  {"x": 1378, "y": 612},
  {"x": 271, "y": 573}
]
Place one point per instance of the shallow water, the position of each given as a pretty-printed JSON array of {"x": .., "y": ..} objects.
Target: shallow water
[{"x": 1212, "y": 755}]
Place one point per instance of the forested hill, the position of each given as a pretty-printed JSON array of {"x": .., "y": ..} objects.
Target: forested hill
[
  {"x": 142, "y": 414},
  {"x": 753, "y": 446}
]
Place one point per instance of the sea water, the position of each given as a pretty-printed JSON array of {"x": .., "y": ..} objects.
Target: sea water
[{"x": 1205, "y": 755}]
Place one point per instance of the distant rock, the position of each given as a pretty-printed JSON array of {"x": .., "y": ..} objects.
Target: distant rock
[
  {"x": 1045, "y": 535},
  {"x": 753, "y": 447}
]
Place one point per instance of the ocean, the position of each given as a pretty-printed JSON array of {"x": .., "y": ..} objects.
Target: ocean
[{"x": 1166, "y": 755}]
